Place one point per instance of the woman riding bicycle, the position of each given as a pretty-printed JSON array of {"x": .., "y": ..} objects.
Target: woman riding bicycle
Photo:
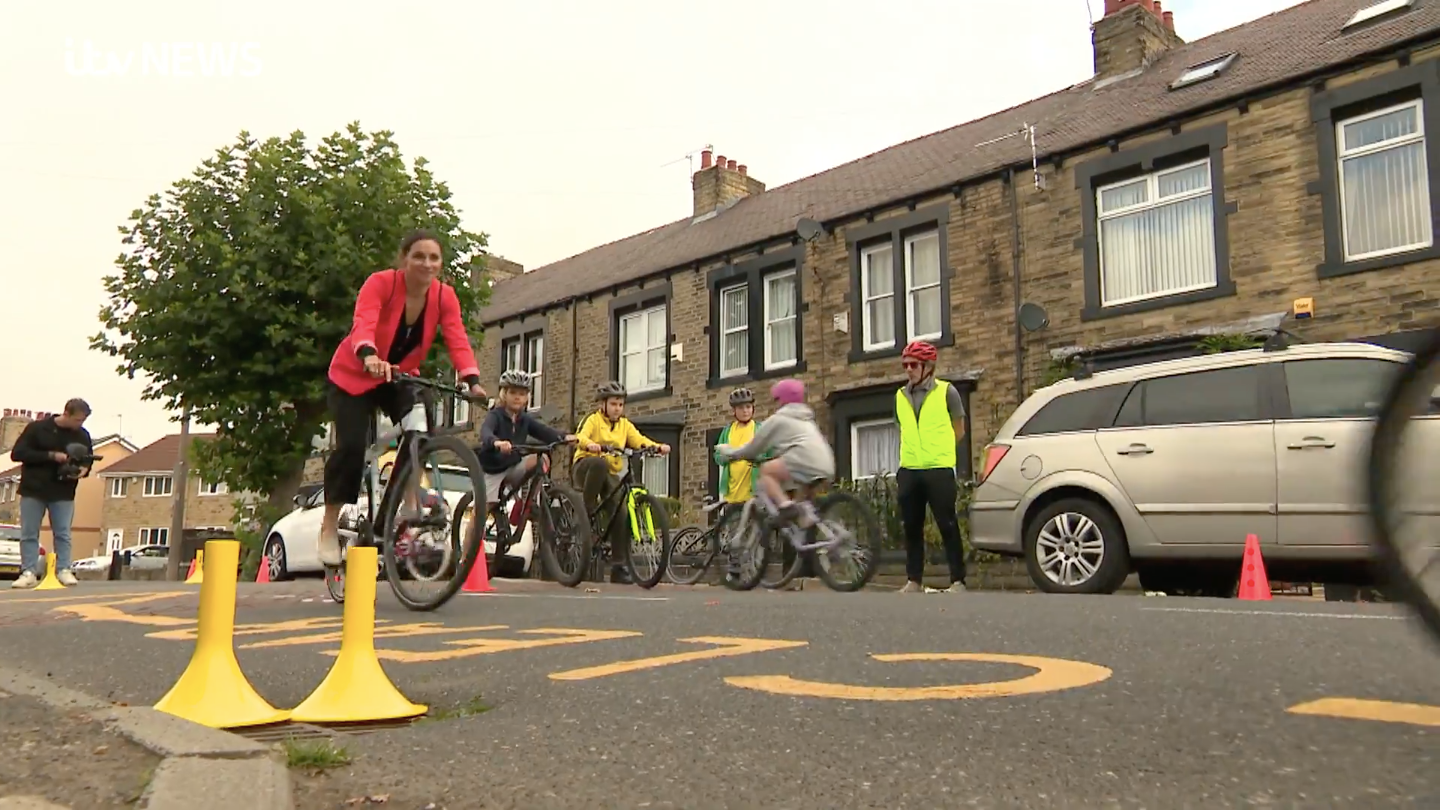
[{"x": 396, "y": 315}]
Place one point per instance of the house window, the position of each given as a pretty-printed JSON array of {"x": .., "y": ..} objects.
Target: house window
[
  {"x": 655, "y": 475},
  {"x": 760, "y": 297},
  {"x": 877, "y": 278},
  {"x": 213, "y": 488},
  {"x": 459, "y": 411},
  {"x": 734, "y": 331},
  {"x": 1157, "y": 235},
  {"x": 874, "y": 448},
  {"x": 922, "y": 287},
  {"x": 158, "y": 536},
  {"x": 781, "y": 314},
  {"x": 1376, "y": 170},
  {"x": 660, "y": 475},
  {"x": 643, "y": 342},
  {"x": 1155, "y": 224},
  {"x": 119, "y": 487},
  {"x": 899, "y": 282},
  {"x": 7, "y": 491},
  {"x": 1384, "y": 182},
  {"x": 157, "y": 486},
  {"x": 510, "y": 355},
  {"x": 525, "y": 352}
]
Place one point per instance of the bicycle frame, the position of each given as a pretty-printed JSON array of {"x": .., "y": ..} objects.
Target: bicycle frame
[
  {"x": 632, "y": 490},
  {"x": 530, "y": 485},
  {"x": 793, "y": 532}
]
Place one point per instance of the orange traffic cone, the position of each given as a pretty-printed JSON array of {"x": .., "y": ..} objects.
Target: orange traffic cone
[
  {"x": 262, "y": 574},
  {"x": 1254, "y": 584},
  {"x": 479, "y": 579},
  {"x": 190, "y": 572}
]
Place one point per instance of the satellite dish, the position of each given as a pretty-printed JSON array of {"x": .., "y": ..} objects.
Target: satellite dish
[
  {"x": 1033, "y": 317},
  {"x": 808, "y": 229}
]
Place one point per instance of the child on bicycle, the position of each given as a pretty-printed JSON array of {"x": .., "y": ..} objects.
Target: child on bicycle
[
  {"x": 802, "y": 456},
  {"x": 506, "y": 425},
  {"x": 596, "y": 475},
  {"x": 738, "y": 479}
]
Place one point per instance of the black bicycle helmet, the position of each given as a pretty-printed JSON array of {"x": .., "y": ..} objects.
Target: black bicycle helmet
[
  {"x": 515, "y": 378},
  {"x": 742, "y": 396},
  {"x": 611, "y": 388}
]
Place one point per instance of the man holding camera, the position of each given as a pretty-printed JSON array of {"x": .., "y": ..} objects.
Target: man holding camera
[{"x": 56, "y": 452}]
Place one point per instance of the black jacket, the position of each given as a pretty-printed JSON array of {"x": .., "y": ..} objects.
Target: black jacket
[
  {"x": 499, "y": 426},
  {"x": 40, "y": 473}
]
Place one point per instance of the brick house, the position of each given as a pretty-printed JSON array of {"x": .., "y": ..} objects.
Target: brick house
[
  {"x": 87, "y": 538},
  {"x": 1185, "y": 188},
  {"x": 139, "y": 497}
]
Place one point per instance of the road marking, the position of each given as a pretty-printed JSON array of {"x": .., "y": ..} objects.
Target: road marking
[
  {"x": 727, "y": 647},
  {"x": 572, "y": 596},
  {"x": 111, "y": 596},
  {"x": 381, "y": 631},
  {"x": 484, "y": 646},
  {"x": 1384, "y": 711},
  {"x": 107, "y": 612},
  {"x": 1278, "y": 613},
  {"x": 314, "y": 623},
  {"x": 1052, "y": 675}
]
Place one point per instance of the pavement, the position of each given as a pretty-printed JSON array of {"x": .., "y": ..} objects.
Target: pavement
[{"x": 542, "y": 697}]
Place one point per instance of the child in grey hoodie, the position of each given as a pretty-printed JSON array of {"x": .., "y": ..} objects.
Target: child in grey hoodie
[{"x": 802, "y": 456}]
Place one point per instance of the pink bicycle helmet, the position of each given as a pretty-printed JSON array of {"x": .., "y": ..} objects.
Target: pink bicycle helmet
[{"x": 788, "y": 392}]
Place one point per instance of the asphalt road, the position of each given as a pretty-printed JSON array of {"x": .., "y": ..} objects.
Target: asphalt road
[{"x": 1153, "y": 702}]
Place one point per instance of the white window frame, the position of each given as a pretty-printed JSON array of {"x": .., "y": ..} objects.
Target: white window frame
[
  {"x": 114, "y": 543},
  {"x": 1341, "y": 155},
  {"x": 7, "y": 491},
  {"x": 911, "y": 289},
  {"x": 534, "y": 359},
  {"x": 207, "y": 488},
  {"x": 1152, "y": 201},
  {"x": 727, "y": 329},
  {"x": 510, "y": 354},
  {"x": 635, "y": 318},
  {"x": 866, "y": 298},
  {"x": 855, "y": 428},
  {"x": 148, "y": 536},
  {"x": 794, "y": 317},
  {"x": 152, "y": 486},
  {"x": 459, "y": 411},
  {"x": 120, "y": 487},
  {"x": 1375, "y": 10}
]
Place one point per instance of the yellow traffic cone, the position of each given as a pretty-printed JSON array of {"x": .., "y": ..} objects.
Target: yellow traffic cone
[
  {"x": 198, "y": 578},
  {"x": 213, "y": 691},
  {"x": 357, "y": 689},
  {"x": 49, "y": 583}
]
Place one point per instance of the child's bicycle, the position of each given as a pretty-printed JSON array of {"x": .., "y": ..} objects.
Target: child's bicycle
[
  {"x": 827, "y": 541},
  {"x": 692, "y": 548},
  {"x": 648, "y": 524},
  {"x": 557, "y": 510}
]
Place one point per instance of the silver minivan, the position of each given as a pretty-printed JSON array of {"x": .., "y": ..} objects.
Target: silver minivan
[{"x": 1164, "y": 469}]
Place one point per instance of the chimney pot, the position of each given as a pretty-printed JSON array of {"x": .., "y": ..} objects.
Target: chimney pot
[
  {"x": 1169, "y": 18},
  {"x": 730, "y": 164},
  {"x": 1157, "y": 8},
  {"x": 741, "y": 168},
  {"x": 720, "y": 161},
  {"x": 705, "y": 159}
]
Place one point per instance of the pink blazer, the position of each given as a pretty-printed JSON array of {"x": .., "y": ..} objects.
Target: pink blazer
[{"x": 378, "y": 310}]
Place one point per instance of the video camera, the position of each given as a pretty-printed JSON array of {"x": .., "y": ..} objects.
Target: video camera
[{"x": 78, "y": 458}]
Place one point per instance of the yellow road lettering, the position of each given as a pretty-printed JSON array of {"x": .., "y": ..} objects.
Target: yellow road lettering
[
  {"x": 726, "y": 647},
  {"x": 466, "y": 648},
  {"x": 1384, "y": 711},
  {"x": 108, "y": 612},
  {"x": 1051, "y": 675},
  {"x": 381, "y": 631},
  {"x": 316, "y": 623}
]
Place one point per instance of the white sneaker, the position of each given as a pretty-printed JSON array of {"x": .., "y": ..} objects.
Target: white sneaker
[
  {"x": 328, "y": 549},
  {"x": 25, "y": 580},
  {"x": 956, "y": 587},
  {"x": 67, "y": 577},
  {"x": 911, "y": 587}
]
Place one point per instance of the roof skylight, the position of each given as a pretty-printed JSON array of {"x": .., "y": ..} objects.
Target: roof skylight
[
  {"x": 1379, "y": 9},
  {"x": 1203, "y": 71}
]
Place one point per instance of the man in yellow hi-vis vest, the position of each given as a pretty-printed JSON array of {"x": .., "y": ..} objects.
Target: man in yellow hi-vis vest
[{"x": 932, "y": 422}]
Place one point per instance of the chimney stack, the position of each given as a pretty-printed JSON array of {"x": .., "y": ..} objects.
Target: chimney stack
[
  {"x": 721, "y": 184},
  {"x": 1131, "y": 36}
]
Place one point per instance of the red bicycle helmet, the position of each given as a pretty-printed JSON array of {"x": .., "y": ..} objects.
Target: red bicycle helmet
[{"x": 920, "y": 350}]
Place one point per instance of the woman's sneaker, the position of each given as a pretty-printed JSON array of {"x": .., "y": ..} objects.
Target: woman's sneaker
[
  {"x": 67, "y": 577},
  {"x": 25, "y": 580}
]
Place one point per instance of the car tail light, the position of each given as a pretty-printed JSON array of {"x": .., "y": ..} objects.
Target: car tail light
[{"x": 993, "y": 454}]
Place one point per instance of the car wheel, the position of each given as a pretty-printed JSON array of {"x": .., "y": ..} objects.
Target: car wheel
[
  {"x": 275, "y": 558},
  {"x": 1076, "y": 546}
]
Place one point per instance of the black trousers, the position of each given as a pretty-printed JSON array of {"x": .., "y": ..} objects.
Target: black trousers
[
  {"x": 595, "y": 481},
  {"x": 345, "y": 469},
  {"x": 937, "y": 489}
]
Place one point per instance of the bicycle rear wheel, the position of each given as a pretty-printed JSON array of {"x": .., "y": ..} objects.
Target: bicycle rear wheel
[
  {"x": 1404, "y": 473},
  {"x": 649, "y": 541},
  {"x": 691, "y": 552},
  {"x": 851, "y": 564},
  {"x": 424, "y": 564}
]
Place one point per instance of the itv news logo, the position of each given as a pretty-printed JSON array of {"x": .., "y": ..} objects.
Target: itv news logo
[{"x": 171, "y": 60}]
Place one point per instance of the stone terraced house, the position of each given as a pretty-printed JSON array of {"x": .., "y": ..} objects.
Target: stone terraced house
[{"x": 1185, "y": 189}]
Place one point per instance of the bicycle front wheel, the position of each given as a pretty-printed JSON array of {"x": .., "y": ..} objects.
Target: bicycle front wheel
[
  {"x": 564, "y": 527},
  {"x": 425, "y": 561},
  {"x": 649, "y": 540},
  {"x": 1403, "y": 466},
  {"x": 851, "y": 562}
]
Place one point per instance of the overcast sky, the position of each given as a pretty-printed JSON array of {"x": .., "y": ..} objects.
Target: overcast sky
[{"x": 558, "y": 125}]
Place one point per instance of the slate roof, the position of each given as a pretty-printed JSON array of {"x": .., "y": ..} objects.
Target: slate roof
[
  {"x": 158, "y": 456},
  {"x": 1276, "y": 50}
]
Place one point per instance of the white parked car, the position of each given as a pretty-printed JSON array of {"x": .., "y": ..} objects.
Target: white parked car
[
  {"x": 292, "y": 546},
  {"x": 9, "y": 550}
]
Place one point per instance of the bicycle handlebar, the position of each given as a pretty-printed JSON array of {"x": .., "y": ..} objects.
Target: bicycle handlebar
[
  {"x": 628, "y": 452},
  {"x": 459, "y": 389},
  {"x": 540, "y": 447}
]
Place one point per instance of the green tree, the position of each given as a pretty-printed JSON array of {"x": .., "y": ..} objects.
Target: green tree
[{"x": 236, "y": 285}]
